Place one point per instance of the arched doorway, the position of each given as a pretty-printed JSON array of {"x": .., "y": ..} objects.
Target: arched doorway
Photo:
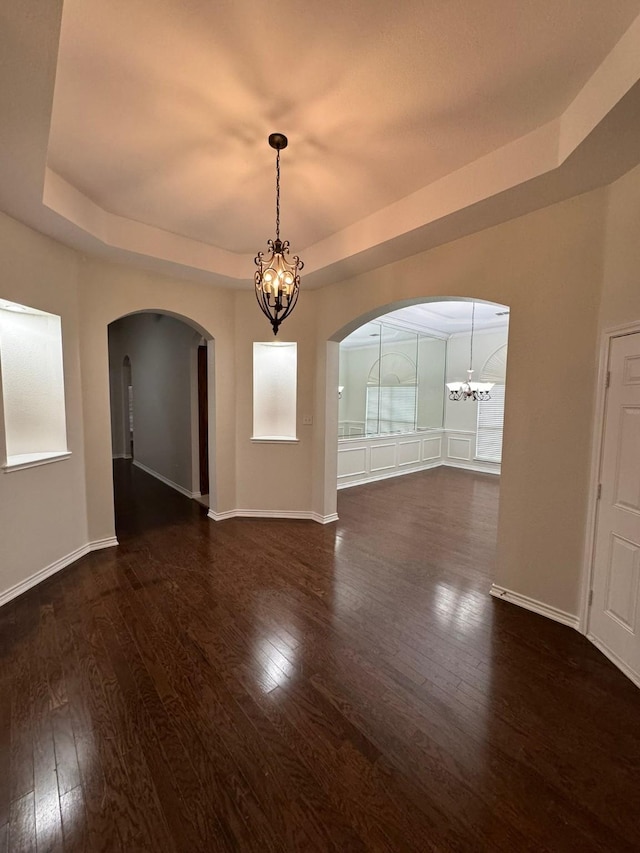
[
  {"x": 402, "y": 419},
  {"x": 159, "y": 386}
]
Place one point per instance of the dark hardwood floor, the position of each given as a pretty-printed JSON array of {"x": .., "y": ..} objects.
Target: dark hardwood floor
[{"x": 283, "y": 686}]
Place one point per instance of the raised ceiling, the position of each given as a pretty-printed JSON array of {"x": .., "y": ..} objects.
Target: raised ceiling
[
  {"x": 438, "y": 319},
  {"x": 408, "y": 126}
]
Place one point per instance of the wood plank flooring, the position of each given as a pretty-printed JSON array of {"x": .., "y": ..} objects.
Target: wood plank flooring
[{"x": 284, "y": 686}]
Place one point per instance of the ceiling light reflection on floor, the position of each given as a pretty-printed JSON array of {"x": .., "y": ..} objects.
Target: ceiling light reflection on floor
[
  {"x": 275, "y": 669},
  {"x": 456, "y": 608}
]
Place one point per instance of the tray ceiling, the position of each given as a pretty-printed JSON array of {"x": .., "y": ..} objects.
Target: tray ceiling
[{"x": 408, "y": 126}]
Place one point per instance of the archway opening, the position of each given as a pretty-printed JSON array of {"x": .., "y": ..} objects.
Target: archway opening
[
  {"x": 160, "y": 396},
  {"x": 392, "y": 414}
]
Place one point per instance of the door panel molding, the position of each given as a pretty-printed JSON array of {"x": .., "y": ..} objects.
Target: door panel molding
[{"x": 630, "y": 375}]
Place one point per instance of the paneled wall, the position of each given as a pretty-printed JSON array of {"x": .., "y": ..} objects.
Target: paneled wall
[{"x": 363, "y": 460}]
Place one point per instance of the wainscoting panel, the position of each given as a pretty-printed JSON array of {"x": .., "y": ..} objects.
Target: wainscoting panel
[
  {"x": 408, "y": 452},
  {"x": 362, "y": 460},
  {"x": 352, "y": 461},
  {"x": 383, "y": 457},
  {"x": 459, "y": 448},
  {"x": 431, "y": 449}
]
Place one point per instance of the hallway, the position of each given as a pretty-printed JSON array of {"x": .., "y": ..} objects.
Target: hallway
[{"x": 282, "y": 685}]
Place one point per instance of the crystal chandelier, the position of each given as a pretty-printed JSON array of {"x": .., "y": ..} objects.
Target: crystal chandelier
[
  {"x": 470, "y": 390},
  {"x": 277, "y": 279}
]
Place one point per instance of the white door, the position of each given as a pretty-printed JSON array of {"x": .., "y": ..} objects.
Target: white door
[{"x": 615, "y": 612}]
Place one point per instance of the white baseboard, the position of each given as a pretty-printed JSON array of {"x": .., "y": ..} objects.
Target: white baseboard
[
  {"x": 613, "y": 657},
  {"x": 121, "y": 456},
  {"x": 324, "y": 519},
  {"x": 478, "y": 467},
  {"x": 535, "y": 606},
  {"x": 99, "y": 544},
  {"x": 374, "y": 478},
  {"x": 41, "y": 575},
  {"x": 166, "y": 480},
  {"x": 271, "y": 513},
  {"x": 221, "y": 516}
]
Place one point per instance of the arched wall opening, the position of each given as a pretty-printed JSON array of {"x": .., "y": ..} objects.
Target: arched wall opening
[
  {"x": 126, "y": 416},
  {"x": 363, "y": 454},
  {"x": 158, "y": 389},
  {"x": 542, "y": 265}
]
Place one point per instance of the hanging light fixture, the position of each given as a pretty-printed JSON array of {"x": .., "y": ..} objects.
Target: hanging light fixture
[
  {"x": 277, "y": 279},
  {"x": 470, "y": 390}
]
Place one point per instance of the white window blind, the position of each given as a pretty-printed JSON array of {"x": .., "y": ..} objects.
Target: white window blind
[
  {"x": 391, "y": 408},
  {"x": 490, "y": 419}
]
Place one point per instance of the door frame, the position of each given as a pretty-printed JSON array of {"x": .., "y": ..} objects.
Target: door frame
[{"x": 596, "y": 461}]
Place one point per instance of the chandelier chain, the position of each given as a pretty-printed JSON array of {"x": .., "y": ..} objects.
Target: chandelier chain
[
  {"x": 277, "y": 277},
  {"x": 473, "y": 315},
  {"x": 278, "y": 195}
]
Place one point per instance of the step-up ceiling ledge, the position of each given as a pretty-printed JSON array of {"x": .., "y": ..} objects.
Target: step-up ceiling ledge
[{"x": 510, "y": 181}]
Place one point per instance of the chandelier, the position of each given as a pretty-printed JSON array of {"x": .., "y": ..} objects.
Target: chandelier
[
  {"x": 470, "y": 390},
  {"x": 277, "y": 279}
]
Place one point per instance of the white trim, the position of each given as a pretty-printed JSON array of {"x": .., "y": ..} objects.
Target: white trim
[
  {"x": 624, "y": 329},
  {"x": 472, "y": 465},
  {"x": 594, "y": 477},
  {"x": 417, "y": 441},
  {"x": 41, "y": 575},
  {"x": 395, "y": 473},
  {"x": 487, "y": 330},
  {"x": 460, "y": 438},
  {"x": 535, "y": 606},
  {"x": 436, "y": 456},
  {"x": 99, "y": 544},
  {"x": 121, "y": 456},
  {"x": 381, "y": 447},
  {"x": 274, "y": 439},
  {"x": 32, "y": 460},
  {"x": 304, "y": 515},
  {"x": 478, "y": 468},
  {"x": 164, "y": 480},
  {"x": 324, "y": 519},
  {"x": 221, "y": 516},
  {"x": 613, "y": 657}
]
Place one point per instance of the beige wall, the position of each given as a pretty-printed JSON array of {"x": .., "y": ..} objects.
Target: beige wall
[
  {"x": 274, "y": 476},
  {"x": 547, "y": 266},
  {"x": 109, "y": 291},
  {"x": 48, "y": 500},
  {"x": 621, "y": 287}
]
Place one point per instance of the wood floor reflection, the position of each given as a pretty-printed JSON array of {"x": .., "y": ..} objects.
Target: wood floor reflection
[{"x": 286, "y": 686}]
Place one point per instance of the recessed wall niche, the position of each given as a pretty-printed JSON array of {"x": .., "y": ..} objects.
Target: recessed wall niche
[
  {"x": 275, "y": 369},
  {"x": 32, "y": 381}
]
